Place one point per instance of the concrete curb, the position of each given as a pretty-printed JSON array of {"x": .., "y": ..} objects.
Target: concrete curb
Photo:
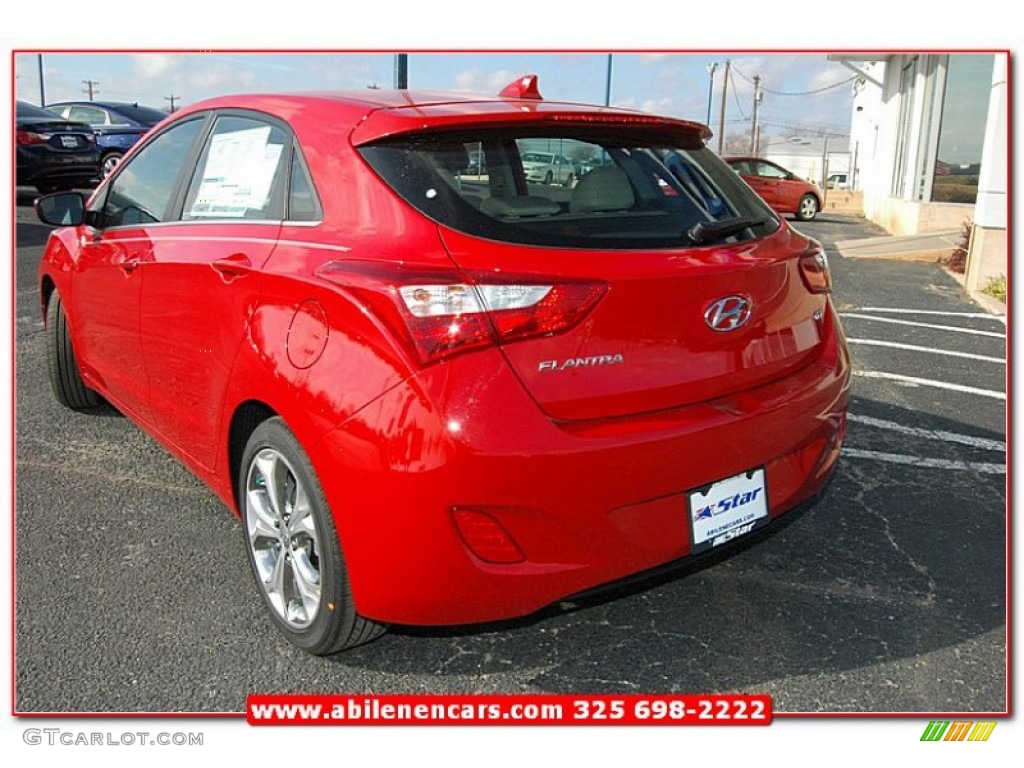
[
  {"x": 928, "y": 248},
  {"x": 990, "y": 304}
]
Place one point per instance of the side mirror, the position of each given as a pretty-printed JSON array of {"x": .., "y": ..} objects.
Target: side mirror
[{"x": 61, "y": 209}]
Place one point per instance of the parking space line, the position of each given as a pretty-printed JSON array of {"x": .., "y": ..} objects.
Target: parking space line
[
  {"x": 931, "y": 383},
  {"x": 931, "y": 350},
  {"x": 929, "y": 434},
  {"x": 903, "y": 311},
  {"x": 953, "y": 328},
  {"x": 921, "y": 461}
]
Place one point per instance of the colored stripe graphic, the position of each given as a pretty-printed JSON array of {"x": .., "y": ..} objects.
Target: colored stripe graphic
[
  {"x": 982, "y": 731},
  {"x": 960, "y": 730},
  {"x": 957, "y": 732}
]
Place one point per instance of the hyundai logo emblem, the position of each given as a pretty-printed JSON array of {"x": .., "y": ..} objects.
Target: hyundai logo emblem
[{"x": 728, "y": 314}]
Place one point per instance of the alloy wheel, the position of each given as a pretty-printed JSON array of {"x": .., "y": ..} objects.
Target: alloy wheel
[{"x": 283, "y": 538}]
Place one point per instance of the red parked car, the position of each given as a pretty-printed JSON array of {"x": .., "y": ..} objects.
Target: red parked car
[
  {"x": 781, "y": 189},
  {"x": 438, "y": 400}
]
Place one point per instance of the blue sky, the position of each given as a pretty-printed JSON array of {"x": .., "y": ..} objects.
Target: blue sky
[{"x": 664, "y": 83}]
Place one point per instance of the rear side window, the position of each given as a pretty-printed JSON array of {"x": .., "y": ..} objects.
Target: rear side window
[
  {"x": 303, "y": 204},
  {"x": 90, "y": 115},
  {"x": 241, "y": 172},
  {"x": 608, "y": 188}
]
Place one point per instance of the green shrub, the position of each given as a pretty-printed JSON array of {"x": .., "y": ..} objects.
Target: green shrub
[{"x": 996, "y": 288}]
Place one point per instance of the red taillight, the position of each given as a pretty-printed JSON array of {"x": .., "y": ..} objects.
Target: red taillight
[
  {"x": 486, "y": 538},
  {"x": 28, "y": 137},
  {"x": 442, "y": 312},
  {"x": 814, "y": 271}
]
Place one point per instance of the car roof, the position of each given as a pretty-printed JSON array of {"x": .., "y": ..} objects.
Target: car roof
[
  {"x": 375, "y": 113},
  {"x": 86, "y": 103}
]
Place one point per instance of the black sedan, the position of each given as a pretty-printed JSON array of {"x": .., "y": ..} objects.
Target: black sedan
[
  {"x": 118, "y": 124},
  {"x": 52, "y": 153}
]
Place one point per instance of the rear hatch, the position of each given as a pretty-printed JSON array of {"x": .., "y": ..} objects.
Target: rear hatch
[
  {"x": 55, "y": 134},
  {"x": 648, "y": 344},
  {"x": 702, "y": 291}
]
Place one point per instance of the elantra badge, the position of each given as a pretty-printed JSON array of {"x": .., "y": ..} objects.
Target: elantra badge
[
  {"x": 728, "y": 314},
  {"x": 547, "y": 366}
]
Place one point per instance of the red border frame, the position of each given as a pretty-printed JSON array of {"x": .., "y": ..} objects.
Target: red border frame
[{"x": 541, "y": 51}]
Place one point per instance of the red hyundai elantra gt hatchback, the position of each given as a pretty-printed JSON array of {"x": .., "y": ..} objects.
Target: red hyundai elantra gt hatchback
[{"x": 434, "y": 391}]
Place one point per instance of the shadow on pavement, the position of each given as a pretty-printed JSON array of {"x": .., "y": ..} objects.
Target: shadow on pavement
[{"x": 886, "y": 566}]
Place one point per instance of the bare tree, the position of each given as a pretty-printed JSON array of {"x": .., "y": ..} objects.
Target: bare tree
[{"x": 738, "y": 143}]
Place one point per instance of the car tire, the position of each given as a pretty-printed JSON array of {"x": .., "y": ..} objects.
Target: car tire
[
  {"x": 807, "y": 208},
  {"x": 109, "y": 163},
  {"x": 65, "y": 377},
  {"x": 293, "y": 546}
]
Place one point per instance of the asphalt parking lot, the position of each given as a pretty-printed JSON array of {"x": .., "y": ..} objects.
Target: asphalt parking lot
[{"x": 133, "y": 592}]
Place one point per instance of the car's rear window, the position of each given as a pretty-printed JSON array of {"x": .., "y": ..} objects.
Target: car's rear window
[
  {"x": 144, "y": 115},
  {"x": 23, "y": 109},
  {"x": 575, "y": 187}
]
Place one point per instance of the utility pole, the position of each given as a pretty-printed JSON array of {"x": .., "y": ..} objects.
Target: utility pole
[
  {"x": 91, "y": 85},
  {"x": 42, "y": 87},
  {"x": 712, "y": 66},
  {"x": 755, "y": 129},
  {"x": 402, "y": 71},
  {"x": 721, "y": 113},
  {"x": 824, "y": 172},
  {"x": 608, "y": 83},
  {"x": 172, "y": 99}
]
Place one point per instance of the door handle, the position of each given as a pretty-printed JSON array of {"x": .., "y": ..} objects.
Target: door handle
[
  {"x": 235, "y": 265},
  {"x": 130, "y": 264}
]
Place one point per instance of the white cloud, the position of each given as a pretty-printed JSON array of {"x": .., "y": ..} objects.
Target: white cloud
[
  {"x": 476, "y": 80},
  {"x": 657, "y": 106},
  {"x": 153, "y": 65}
]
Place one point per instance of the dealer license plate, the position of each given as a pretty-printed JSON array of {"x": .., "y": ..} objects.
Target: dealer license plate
[
  {"x": 727, "y": 509},
  {"x": 69, "y": 141}
]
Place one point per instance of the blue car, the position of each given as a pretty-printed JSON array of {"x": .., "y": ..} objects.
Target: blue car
[{"x": 118, "y": 125}]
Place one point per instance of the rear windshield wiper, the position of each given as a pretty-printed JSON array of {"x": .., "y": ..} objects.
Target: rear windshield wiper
[{"x": 704, "y": 232}]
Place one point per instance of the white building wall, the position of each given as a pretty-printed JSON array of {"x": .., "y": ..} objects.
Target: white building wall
[
  {"x": 864, "y": 129},
  {"x": 898, "y": 206},
  {"x": 990, "y": 210},
  {"x": 988, "y": 256}
]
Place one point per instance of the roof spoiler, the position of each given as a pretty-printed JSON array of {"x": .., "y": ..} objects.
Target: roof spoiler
[{"x": 525, "y": 87}]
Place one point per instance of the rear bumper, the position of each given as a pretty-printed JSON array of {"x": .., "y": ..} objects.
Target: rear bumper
[{"x": 586, "y": 502}]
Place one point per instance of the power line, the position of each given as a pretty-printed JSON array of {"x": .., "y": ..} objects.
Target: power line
[
  {"x": 815, "y": 91},
  {"x": 736, "y": 101},
  {"x": 833, "y": 128},
  {"x": 742, "y": 76},
  {"x": 796, "y": 93},
  {"x": 806, "y": 128}
]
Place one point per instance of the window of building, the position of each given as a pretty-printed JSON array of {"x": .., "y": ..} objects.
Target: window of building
[
  {"x": 962, "y": 128},
  {"x": 908, "y": 78}
]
